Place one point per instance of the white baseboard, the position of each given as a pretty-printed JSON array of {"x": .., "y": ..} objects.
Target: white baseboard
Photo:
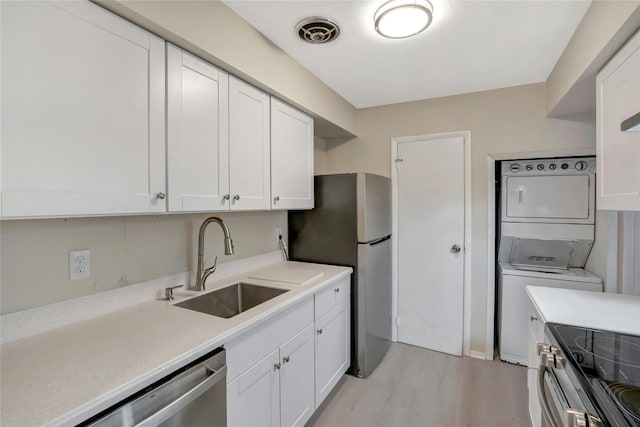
[{"x": 477, "y": 355}]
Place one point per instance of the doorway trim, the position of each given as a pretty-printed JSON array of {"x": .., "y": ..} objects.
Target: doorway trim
[
  {"x": 491, "y": 226},
  {"x": 466, "y": 309}
]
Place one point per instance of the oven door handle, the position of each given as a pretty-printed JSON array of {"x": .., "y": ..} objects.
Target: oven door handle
[{"x": 542, "y": 397}]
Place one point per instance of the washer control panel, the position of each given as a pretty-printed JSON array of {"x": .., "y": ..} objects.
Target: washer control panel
[{"x": 561, "y": 166}]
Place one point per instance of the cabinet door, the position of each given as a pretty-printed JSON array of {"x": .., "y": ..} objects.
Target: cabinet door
[
  {"x": 82, "y": 112},
  {"x": 249, "y": 147},
  {"x": 618, "y": 152},
  {"x": 291, "y": 158},
  {"x": 297, "y": 379},
  {"x": 253, "y": 399},
  {"x": 197, "y": 134},
  {"x": 332, "y": 350}
]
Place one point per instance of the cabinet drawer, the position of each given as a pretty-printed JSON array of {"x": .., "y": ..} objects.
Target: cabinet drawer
[
  {"x": 331, "y": 295},
  {"x": 249, "y": 348}
]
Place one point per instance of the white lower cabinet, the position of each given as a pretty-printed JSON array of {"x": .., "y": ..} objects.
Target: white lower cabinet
[
  {"x": 278, "y": 390},
  {"x": 332, "y": 349},
  {"x": 282, "y": 370},
  {"x": 297, "y": 379},
  {"x": 253, "y": 399},
  {"x": 270, "y": 371},
  {"x": 536, "y": 335}
]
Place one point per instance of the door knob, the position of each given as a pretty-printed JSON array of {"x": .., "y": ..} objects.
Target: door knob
[{"x": 455, "y": 249}]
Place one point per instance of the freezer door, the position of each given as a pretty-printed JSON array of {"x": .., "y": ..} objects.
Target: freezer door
[
  {"x": 374, "y": 207},
  {"x": 373, "y": 304}
]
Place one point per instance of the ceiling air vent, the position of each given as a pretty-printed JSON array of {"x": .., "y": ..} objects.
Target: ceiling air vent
[{"x": 317, "y": 30}]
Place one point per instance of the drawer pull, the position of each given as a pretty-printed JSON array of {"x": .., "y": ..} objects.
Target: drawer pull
[
  {"x": 336, "y": 290},
  {"x": 319, "y": 331},
  {"x": 285, "y": 359},
  {"x": 276, "y": 366}
]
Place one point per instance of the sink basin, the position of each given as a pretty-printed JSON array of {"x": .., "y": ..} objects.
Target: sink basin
[{"x": 232, "y": 300}]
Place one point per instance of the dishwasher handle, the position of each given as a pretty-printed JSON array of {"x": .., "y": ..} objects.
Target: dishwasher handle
[{"x": 185, "y": 399}]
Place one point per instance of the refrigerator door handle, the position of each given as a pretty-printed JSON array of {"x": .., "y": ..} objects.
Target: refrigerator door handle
[{"x": 376, "y": 242}]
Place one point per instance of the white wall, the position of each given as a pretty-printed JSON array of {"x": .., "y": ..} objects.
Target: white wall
[
  {"x": 504, "y": 123},
  {"x": 606, "y": 26},
  {"x": 34, "y": 254},
  {"x": 319, "y": 156}
]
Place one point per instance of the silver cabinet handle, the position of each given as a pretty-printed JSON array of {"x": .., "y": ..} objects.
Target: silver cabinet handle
[
  {"x": 455, "y": 249},
  {"x": 319, "y": 331},
  {"x": 276, "y": 366},
  {"x": 161, "y": 196},
  {"x": 533, "y": 318},
  {"x": 236, "y": 197},
  {"x": 285, "y": 359},
  {"x": 276, "y": 199},
  {"x": 226, "y": 197}
]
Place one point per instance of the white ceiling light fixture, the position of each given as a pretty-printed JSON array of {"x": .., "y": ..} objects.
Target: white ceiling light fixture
[{"x": 399, "y": 19}]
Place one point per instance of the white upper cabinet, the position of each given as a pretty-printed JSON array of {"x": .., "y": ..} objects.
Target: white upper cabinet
[
  {"x": 197, "y": 134},
  {"x": 618, "y": 152},
  {"x": 249, "y": 147},
  {"x": 82, "y": 112},
  {"x": 291, "y": 158}
]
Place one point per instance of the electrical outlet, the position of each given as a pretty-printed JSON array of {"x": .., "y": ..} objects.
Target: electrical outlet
[
  {"x": 79, "y": 264},
  {"x": 278, "y": 233}
]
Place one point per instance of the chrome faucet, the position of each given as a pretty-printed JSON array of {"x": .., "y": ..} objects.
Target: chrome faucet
[{"x": 202, "y": 274}]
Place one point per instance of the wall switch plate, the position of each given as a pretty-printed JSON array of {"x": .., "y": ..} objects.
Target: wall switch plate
[{"x": 79, "y": 264}]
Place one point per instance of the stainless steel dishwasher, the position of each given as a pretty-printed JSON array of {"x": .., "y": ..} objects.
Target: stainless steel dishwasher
[{"x": 195, "y": 395}]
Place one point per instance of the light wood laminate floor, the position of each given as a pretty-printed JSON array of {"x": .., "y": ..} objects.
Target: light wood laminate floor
[{"x": 417, "y": 387}]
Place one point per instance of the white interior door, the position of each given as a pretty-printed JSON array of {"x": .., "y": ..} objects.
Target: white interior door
[{"x": 430, "y": 228}]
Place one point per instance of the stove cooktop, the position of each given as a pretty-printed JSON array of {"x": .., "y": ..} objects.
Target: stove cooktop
[{"x": 609, "y": 367}]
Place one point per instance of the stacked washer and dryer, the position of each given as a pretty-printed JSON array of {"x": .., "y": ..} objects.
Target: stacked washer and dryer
[{"x": 547, "y": 231}]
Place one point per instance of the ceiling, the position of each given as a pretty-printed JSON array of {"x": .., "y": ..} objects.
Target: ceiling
[{"x": 471, "y": 46}]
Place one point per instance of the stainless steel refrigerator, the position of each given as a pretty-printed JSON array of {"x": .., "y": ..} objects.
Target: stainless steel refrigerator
[{"x": 351, "y": 226}]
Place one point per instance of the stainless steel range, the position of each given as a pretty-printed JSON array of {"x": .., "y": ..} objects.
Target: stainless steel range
[{"x": 589, "y": 377}]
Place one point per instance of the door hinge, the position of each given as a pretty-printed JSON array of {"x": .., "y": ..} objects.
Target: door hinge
[
  {"x": 397, "y": 320},
  {"x": 398, "y": 161}
]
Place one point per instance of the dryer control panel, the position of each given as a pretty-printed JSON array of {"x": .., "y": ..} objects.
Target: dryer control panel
[{"x": 561, "y": 166}]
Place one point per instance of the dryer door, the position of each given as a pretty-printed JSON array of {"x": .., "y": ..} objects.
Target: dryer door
[{"x": 563, "y": 199}]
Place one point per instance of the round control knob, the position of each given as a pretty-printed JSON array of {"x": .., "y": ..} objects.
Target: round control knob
[
  {"x": 553, "y": 166},
  {"x": 529, "y": 167},
  {"x": 581, "y": 165},
  {"x": 514, "y": 167},
  {"x": 564, "y": 166},
  {"x": 540, "y": 167}
]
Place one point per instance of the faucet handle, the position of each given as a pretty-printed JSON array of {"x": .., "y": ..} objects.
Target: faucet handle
[
  {"x": 168, "y": 292},
  {"x": 208, "y": 272}
]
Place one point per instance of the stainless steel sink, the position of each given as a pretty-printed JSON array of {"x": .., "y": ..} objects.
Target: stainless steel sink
[{"x": 232, "y": 300}]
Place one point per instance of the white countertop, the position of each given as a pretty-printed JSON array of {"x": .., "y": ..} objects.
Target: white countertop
[
  {"x": 596, "y": 310},
  {"x": 69, "y": 374}
]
